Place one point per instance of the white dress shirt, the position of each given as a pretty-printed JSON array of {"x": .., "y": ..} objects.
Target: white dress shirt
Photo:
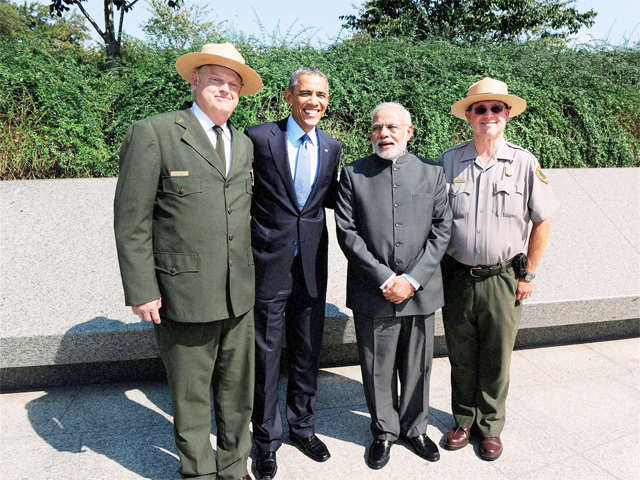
[
  {"x": 208, "y": 125},
  {"x": 294, "y": 136}
]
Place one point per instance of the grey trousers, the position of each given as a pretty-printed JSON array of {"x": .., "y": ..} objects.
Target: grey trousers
[{"x": 392, "y": 349}]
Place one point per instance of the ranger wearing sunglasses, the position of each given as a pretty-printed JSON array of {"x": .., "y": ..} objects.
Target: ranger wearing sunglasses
[{"x": 495, "y": 189}]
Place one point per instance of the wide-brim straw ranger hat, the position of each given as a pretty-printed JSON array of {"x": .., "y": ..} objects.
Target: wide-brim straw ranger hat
[
  {"x": 489, "y": 89},
  {"x": 226, "y": 55}
]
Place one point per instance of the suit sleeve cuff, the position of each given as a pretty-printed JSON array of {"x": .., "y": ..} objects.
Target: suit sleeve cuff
[
  {"x": 412, "y": 281},
  {"x": 393, "y": 275}
]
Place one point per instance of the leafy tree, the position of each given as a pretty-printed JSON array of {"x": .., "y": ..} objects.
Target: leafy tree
[
  {"x": 181, "y": 27},
  {"x": 112, "y": 41},
  {"x": 465, "y": 21},
  {"x": 63, "y": 32}
]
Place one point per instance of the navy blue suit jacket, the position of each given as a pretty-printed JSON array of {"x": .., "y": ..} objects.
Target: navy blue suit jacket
[{"x": 277, "y": 224}]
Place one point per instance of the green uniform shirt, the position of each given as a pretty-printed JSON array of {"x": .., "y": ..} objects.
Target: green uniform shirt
[{"x": 182, "y": 224}]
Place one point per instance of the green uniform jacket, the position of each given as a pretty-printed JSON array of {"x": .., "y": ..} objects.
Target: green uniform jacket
[{"x": 182, "y": 227}]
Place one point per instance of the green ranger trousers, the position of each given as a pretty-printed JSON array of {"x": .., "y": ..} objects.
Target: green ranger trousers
[
  {"x": 198, "y": 356},
  {"x": 481, "y": 319}
]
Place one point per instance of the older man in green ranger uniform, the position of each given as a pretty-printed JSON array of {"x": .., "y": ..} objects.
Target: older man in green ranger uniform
[{"x": 181, "y": 209}]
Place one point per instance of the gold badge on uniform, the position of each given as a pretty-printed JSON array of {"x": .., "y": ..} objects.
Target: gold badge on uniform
[
  {"x": 458, "y": 180},
  {"x": 507, "y": 170},
  {"x": 541, "y": 176}
]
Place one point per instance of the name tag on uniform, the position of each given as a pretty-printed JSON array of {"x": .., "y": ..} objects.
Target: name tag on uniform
[
  {"x": 179, "y": 173},
  {"x": 458, "y": 180}
]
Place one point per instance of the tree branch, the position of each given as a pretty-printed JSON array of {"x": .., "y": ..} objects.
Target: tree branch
[
  {"x": 120, "y": 25},
  {"x": 131, "y": 4},
  {"x": 91, "y": 20}
]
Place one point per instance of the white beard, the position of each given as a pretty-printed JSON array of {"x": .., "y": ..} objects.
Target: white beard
[{"x": 391, "y": 154}]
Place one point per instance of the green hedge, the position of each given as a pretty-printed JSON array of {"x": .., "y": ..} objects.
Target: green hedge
[{"x": 64, "y": 115}]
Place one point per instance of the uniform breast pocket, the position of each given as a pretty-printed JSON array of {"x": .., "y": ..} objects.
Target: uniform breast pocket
[
  {"x": 181, "y": 186},
  {"x": 460, "y": 199},
  {"x": 507, "y": 199}
]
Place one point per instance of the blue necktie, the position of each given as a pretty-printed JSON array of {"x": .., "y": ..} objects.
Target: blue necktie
[{"x": 301, "y": 179}]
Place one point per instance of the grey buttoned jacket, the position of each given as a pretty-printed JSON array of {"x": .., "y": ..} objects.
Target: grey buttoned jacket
[{"x": 393, "y": 217}]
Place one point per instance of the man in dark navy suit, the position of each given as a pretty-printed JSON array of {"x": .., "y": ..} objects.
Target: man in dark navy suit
[{"x": 296, "y": 176}]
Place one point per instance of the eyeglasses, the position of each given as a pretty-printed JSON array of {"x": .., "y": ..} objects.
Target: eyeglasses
[{"x": 495, "y": 108}]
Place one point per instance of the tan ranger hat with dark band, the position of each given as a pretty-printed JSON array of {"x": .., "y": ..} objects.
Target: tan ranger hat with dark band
[
  {"x": 226, "y": 55},
  {"x": 489, "y": 89}
]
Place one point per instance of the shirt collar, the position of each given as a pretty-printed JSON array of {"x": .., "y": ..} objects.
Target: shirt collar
[
  {"x": 295, "y": 132},
  {"x": 504, "y": 152},
  {"x": 205, "y": 121}
]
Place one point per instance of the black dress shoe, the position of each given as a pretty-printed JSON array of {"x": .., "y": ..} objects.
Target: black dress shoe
[
  {"x": 312, "y": 447},
  {"x": 266, "y": 465},
  {"x": 378, "y": 455},
  {"x": 424, "y": 447}
]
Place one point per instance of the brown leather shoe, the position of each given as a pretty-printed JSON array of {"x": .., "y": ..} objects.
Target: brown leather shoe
[
  {"x": 246, "y": 477},
  {"x": 490, "y": 448},
  {"x": 457, "y": 438}
]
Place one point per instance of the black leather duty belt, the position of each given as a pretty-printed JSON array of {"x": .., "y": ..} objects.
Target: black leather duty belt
[{"x": 483, "y": 271}]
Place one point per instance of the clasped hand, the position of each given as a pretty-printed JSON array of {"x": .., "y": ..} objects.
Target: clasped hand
[{"x": 398, "y": 289}]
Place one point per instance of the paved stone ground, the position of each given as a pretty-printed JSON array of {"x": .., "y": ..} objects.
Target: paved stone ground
[{"x": 573, "y": 413}]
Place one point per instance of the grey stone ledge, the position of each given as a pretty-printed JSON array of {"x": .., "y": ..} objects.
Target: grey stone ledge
[{"x": 62, "y": 313}]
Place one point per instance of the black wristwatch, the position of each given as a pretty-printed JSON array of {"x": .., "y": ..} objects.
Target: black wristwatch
[{"x": 528, "y": 276}]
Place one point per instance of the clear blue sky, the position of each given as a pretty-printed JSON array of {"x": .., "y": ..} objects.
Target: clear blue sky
[{"x": 617, "y": 21}]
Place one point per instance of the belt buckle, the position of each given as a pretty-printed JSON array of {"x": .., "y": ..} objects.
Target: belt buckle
[{"x": 471, "y": 272}]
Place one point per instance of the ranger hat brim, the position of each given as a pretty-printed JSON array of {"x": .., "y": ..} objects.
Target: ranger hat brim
[
  {"x": 489, "y": 89},
  {"x": 226, "y": 55}
]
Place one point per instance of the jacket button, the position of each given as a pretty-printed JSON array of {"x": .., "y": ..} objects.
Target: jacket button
[
  {"x": 398, "y": 244},
  {"x": 229, "y": 210},
  {"x": 173, "y": 270},
  {"x": 181, "y": 191},
  {"x": 396, "y": 205},
  {"x": 230, "y": 262},
  {"x": 231, "y": 236},
  {"x": 226, "y": 185}
]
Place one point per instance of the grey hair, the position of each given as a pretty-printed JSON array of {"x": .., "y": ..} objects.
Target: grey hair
[
  {"x": 407, "y": 115},
  {"x": 293, "y": 81}
]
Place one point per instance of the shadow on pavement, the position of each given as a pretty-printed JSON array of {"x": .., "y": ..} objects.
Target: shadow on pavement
[{"x": 126, "y": 423}]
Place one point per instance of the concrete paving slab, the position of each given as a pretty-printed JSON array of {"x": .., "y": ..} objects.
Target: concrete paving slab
[
  {"x": 99, "y": 408},
  {"x": 620, "y": 457},
  {"x": 146, "y": 453},
  {"x": 536, "y": 442},
  {"x": 574, "y": 467},
  {"x": 51, "y": 459},
  {"x": 574, "y": 361},
  {"x": 585, "y": 426},
  {"x": 582, "y": 405},
  {"x": 19, "y": 418}
]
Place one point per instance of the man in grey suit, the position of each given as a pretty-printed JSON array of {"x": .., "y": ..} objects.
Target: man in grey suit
[{"x": 393, "y": 223}]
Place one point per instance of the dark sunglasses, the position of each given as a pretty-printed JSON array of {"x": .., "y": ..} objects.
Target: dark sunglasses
[{"x": 482, "y": 109}]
